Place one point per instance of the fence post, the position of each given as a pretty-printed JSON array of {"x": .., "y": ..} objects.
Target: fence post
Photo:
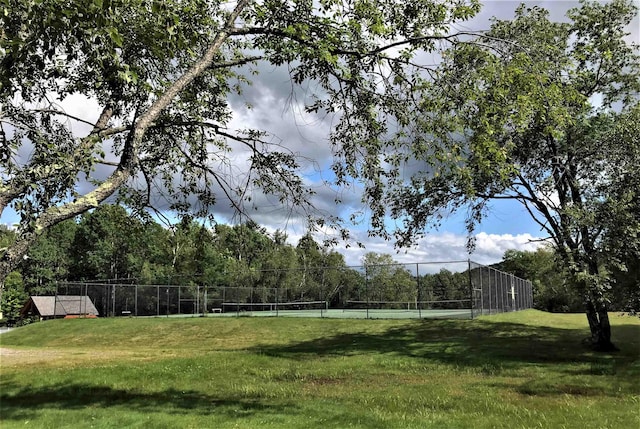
[
  {"x": 204, "y": 309},
  {"x": 55, "y": 301},
  {"x": 488, "y": 291},
  {"x": 470, "y": 287},
  {"x": 502, "y": 293},
  {"x": 514, "y": 292},
  {"x": 521, "y": 297},
  {"x": 532, "y": 303},
  {"x": 366, "y": 287},
  {"x": 419, "y": 295}
]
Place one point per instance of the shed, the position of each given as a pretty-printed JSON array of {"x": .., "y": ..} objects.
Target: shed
[{"x": 52, "y": 307}]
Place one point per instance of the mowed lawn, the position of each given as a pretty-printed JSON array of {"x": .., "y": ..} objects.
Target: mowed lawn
[{"x": 517, "y": 370}]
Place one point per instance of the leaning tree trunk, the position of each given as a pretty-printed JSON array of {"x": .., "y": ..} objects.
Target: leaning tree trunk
[
  {"x": 598, "y": 317},
  {"x": 596, "y": 310},
  {"x": 128, "y": 161}
]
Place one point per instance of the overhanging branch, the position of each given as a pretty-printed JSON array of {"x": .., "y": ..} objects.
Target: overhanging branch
[{"x": 129, "y": 159}]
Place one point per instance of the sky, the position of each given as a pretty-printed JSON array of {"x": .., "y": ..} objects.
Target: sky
[{"x": 279, "y": 110}]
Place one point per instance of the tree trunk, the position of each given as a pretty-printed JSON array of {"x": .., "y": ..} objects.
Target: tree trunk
[{"x": 598, "y": 318}]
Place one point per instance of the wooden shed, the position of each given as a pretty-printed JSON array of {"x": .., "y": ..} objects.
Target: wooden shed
[{"x": 59, "y": 306}]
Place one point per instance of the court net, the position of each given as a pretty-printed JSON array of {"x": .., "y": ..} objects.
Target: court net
[
  {"x": 449, "y": 304},
  {"x": 228, "y": 307}
]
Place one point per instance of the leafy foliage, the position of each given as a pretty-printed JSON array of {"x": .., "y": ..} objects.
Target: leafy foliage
[
  {"x": 387, "y": 280},
  {"x": 110, "y": 245},
  {"x": 50, "y": 258},
  {"x": 13, "y": 298},
  {"x": 165, "y": 74},
  {"x": 540, "y": 113},
  {"x": 551, "y": 289}
]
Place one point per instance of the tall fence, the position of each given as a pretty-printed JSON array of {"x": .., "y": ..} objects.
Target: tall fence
[
  {"x": 494, "y": 291},
  {"x": 416, "y": 290}
]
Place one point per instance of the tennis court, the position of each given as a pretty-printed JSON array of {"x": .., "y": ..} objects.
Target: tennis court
[
  {"x": 352, "y": 314},
  {"x": 460, "y": 289},
  {"x": 357, "y": 310}
]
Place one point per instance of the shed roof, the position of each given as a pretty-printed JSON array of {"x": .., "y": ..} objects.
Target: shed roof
[{"x": 63, "y": 305}]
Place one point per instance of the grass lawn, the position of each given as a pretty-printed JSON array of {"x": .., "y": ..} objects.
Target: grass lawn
[{"x": 516, "y": 370}]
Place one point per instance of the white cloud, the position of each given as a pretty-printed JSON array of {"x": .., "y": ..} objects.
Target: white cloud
[
  {"x": 491, "y": 247},
  {"x": 80, "y": 106},
  {"x": 445, "y": 247}
]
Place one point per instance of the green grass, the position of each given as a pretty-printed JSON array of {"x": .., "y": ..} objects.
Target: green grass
[{"x": 517, "y": 370}]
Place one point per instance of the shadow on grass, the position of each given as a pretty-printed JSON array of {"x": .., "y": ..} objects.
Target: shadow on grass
[
  {"x": 486, "y": 346},
  {"x": 443, "y": 340},
  {"x": 24, "y": 402}
]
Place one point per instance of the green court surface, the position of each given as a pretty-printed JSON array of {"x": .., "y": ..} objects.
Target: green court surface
[{"x": 352, "y": 313}]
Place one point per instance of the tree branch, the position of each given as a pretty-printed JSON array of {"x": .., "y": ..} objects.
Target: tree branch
[
  {"x": 246, "y": 31},
  {"x": 22, "y": 181},
  {"x": 128, "y": 161}
]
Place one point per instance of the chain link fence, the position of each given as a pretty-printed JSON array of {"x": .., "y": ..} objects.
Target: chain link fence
[{"x": 417, "y": 290}]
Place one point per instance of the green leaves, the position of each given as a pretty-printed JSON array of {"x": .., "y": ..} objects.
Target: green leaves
[
  {"x": 517, "y": 114},
  {"x": 115, "y": 36}
]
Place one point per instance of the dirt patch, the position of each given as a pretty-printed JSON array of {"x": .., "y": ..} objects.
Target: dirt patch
[
  {"x": 14, "y": 357},
  {"x": 20, "y": 357}
]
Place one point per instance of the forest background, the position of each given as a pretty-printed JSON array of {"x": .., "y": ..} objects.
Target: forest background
[{"x": 111, "y": 244}]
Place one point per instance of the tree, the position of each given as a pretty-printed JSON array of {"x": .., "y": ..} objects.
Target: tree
[
  {"x": 528, "y": 115},
  {"x": 622, "y": 241},
  {"x": 245, "y": 242},
  {"x": 551, "y": 290},
  {"x": 388, "y": 280},
  {"x": 163, "y": 73},
  {"x": 49, "y": 259},
  {"x": 13, "y": 298},
  {"x": 280, "y": 269},
  {"x": 197, "y": 258},
  {"x": 103, "y": 242},
  {"x": 335, "y": 277},
  {"x": 152, "y": 257},
  {"x": 446, "y": 286},
  {"x": 311, "y": 261},
  {"x": 7, "y": 237}
]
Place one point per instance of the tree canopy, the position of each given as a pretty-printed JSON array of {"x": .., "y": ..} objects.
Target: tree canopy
[
  {"x": 545, "y": 114},
  {"x": 242, "y": 263},
  {"x": 163, "y": 73}
]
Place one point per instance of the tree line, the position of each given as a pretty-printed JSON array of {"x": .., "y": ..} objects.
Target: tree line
[
  {"x": 553, "y": 289},
  {"x": 111, "y": 245}
]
